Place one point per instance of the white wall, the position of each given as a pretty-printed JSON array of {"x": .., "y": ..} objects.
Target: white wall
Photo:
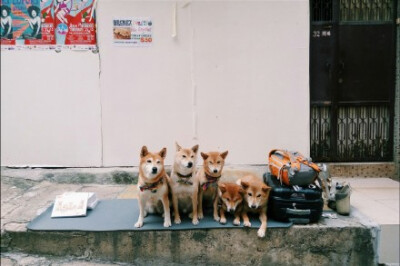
[
  {"x": 235, "y": 77},
  {"x": 50, "y": 109}
]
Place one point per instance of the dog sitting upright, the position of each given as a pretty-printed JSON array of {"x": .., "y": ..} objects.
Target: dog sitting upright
[
  {"x": 230, "y": 198},
  {"x": 153, "y": 186},
  {"x": 182, "y": 175},
  {"x": 206, "y": 183},
  {"x": 256, "y": 195}
]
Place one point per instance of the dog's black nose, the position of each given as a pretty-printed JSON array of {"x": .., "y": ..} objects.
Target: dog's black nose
[
  {"x": 190, "y": 164},
  {"x": 253, "y": 206},
  {"x": 154, "y": 170},
  {"x": 215, "y": 171}
]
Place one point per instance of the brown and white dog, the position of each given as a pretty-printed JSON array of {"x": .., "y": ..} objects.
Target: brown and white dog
[
  {"x": 206, "y": 183},
  {"x": 153, "y": 186},
  {"x": 230, "y": 199},
  {"x": 256, "y": 195},
  {"x": 182, "y": 175}
]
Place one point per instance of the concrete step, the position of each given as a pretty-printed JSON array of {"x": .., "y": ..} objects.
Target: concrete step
[
  {"x": 24, "y": 259},
  {"x": 378, "y": 199},
  {"x": 26, "y": 193}
]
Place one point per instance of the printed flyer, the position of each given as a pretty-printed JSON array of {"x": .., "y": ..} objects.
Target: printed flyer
[
  {"x": 134, "y": 32},
  {"x": 6, "y": 30},
  {"x": 75, "y": 23},
  {"x": 26, "y": 20},
  {"x": 46, "y": 25}
]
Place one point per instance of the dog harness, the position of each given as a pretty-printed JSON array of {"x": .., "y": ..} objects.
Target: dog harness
[
  {"x": 211, "y": 181},
  {"x": 184, "y": 179},
  {"x": 152, "y": 186}
]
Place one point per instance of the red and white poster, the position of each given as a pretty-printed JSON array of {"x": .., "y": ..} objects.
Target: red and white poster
[{"x": 75, "y": 24}]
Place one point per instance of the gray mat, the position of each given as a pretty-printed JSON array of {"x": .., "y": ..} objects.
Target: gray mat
[{"x": 122, "y": 214}]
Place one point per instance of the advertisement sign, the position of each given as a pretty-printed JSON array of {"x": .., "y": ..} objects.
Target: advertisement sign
[{"x": 134, "y": 32}]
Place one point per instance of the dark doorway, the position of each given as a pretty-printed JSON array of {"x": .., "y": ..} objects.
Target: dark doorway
[{"x": 352, "y": 79}]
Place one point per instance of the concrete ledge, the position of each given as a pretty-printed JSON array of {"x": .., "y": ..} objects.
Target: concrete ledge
[
  {"x": 344, "y": 241},
  {"x": 382, "y": 169}
]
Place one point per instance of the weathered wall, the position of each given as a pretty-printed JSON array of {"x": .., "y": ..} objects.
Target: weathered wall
[{"x": 235, "y": 77}]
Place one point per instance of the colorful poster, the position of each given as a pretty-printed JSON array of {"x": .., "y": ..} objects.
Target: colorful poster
[
  {"x": 46, "y": 26},
  {"x": 75, "y": 23},
  {"x": 6, "y": 30},
  {"x": 26, "y": 20},
  {"x": 135, "y": 32}
]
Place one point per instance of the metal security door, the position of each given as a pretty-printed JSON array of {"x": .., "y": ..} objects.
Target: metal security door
[{"x": 352, "y": 75}]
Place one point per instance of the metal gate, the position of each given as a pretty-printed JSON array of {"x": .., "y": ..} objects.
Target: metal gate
[{"x": 352, "y": 79}]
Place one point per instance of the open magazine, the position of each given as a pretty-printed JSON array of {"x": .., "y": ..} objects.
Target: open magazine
[{"x": 74, "y": 204}]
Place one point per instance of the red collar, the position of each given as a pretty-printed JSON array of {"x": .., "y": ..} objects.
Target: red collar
[
  {"x": 211, "y": 181},
  {"x": 152, "y": 186}
]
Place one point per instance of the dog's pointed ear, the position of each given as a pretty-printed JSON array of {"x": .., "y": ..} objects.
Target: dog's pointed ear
[
  {"x": 163, "y": 153},
  {"x": 144, "y": 152},
  {"x": 244, "y": 184},
  {"x": 224, "y": 154},
  {"x": 265, "y": 188},
  {"x": 195, "y": 148},
  {"x": 204, "y": 155},
  {"x": 178, "y": 147},
  {"x": 222, "y": 187}
]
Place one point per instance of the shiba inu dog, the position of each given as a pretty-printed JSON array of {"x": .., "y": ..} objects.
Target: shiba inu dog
[
  {"x": 153, "y": 186},
  {"x": 182, "y": 175},
  {"x": 206, "y": 183},
  {"x": 256, "y": 195},
  {"x": 230, "y": 198}
]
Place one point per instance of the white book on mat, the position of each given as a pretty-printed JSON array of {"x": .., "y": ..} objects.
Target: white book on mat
[
  {"x": 72, "y": 204},
  {"x": 92, "y": 198}
]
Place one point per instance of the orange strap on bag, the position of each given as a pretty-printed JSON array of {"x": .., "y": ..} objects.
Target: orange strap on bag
[{"x": 286, "y": 166}]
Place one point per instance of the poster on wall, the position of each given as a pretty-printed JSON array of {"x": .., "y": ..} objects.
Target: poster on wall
[
  {"x": 48, "y": 24},
  {"x": 75, "y": 24},
  {"x": 6, "y": 30},
  {"x": 26, "y": 21},
  {"x": 45, "y": 27},
  {"x": 134, "y": 32}
]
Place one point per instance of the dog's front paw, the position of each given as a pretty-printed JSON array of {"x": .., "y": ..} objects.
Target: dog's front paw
[
  {"x": 236, "y": 222},
  {"x": 222, "y": 220},
  {"x": 261, "y": 232},
  {"x": 200, "y": 215},
  {"x": 195, "y": 221},
  {"x": 167, "y": 223},
  {"x": 247, "y": 224},
  {"x": 216, "y": 218},
  {"x": 177, "y": 220},
  {"x": 139, "y": 224}
]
